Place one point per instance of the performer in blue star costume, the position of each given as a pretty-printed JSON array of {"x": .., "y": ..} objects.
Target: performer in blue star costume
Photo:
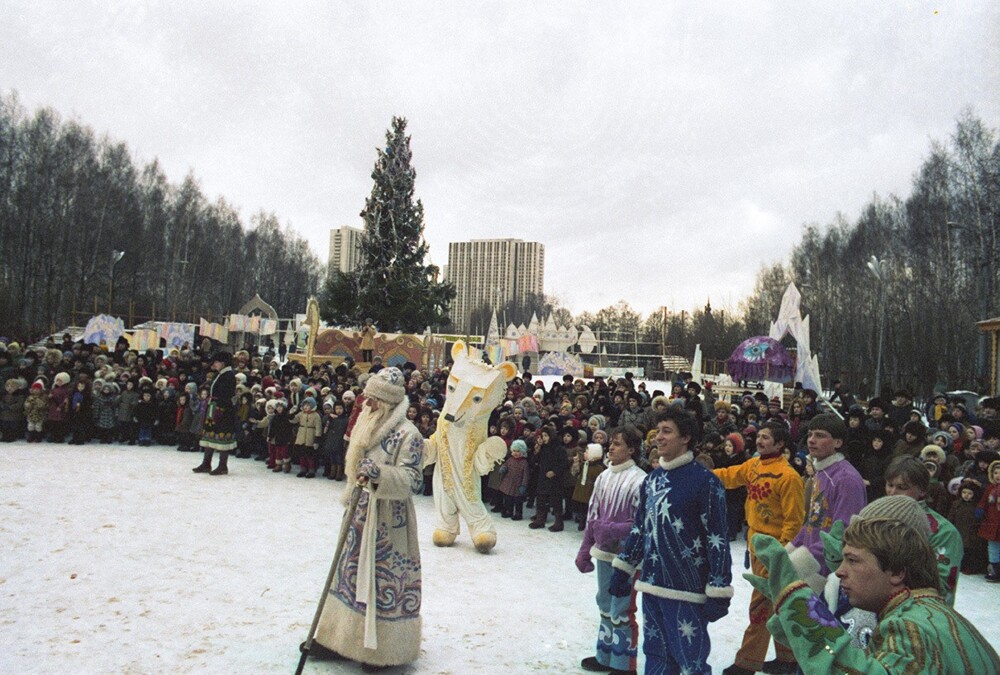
[{"x": 680, "y": 544}]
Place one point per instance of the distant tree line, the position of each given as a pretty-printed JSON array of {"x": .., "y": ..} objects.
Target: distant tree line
[
  {"x": 942, "y": 247},
  {"x": 942, "y": 251},
  {"x": 69, "y": 199}
]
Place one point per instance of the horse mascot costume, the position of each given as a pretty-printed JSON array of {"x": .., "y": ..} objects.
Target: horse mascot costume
[{"x": 460, "y": 449}]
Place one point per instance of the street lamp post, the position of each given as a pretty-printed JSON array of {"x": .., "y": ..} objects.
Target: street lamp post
[
  {"x": 880, "y": 268},
  {"x": 115, "y": 257}
]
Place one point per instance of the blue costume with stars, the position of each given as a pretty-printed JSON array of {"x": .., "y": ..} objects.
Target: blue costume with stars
[{"x": 679, "y": 541}]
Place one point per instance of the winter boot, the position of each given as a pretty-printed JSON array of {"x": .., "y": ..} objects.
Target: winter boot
[
  {"x": 303, "y": 473},
  {"x": 223, "y": 468},
  {"x": 286, "y": 466},
  {"x": 993, "y": 573},
  {"x": 594, "y": 666},
  {"x": 278, "y": 467},
  {"x": 538, "y": 522},
  {"x": 776, "y": 667},
  {"x": 557, "y": 526},
  {"x": 206, "y": 463}
]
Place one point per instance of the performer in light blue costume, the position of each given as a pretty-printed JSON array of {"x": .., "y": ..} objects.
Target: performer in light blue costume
[{"x": 609, "y": 520}]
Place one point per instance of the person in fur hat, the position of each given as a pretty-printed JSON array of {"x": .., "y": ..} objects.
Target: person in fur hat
[
  {"x": 36, "y": 411},
  {"x": 372, "y": 612},
  {"x": 58, "y": 421},
  {"x": 219, "y": 430},
  {"x": 12, "y": 409},
  {"x": 963, "y": 516}
]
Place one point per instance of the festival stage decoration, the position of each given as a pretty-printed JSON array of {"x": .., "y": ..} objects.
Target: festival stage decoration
[
  {"x": 103, "y": 329},
  {"x": 142, "y": 339},
  {"x": 760, "y": 358},
  {"x": 561, "y": 363},
  {"x": 791, "y": 322},
  {"x": 214, "y": 331},
  {"x": 460, "y": 449},
  {"x": 176, "y": 335}
]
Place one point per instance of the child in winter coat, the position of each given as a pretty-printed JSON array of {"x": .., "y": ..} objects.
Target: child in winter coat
[
  {"x": 58, "y": 419},
  {"x": 243, "y": 410},
  {"x": 280, "y": 434},
  {"x": 310, "y": 427},
  {"x": 144, "y": 415},
  {"x": 989, "y": 512},
  {"x": 182, "y": 424},
  {"x": 36, "y": 411},
  {"x": 106, "y": 413},
  {"x": 963, "y": 516},
  {"x": 258, "y": 444},
  {"x": 81, "y": 413},
  {"x": 334, "y": 428},
  {"x": 12, "y": 410},
  {"x": 514, "y": 481},
  {"x": 199, "y": 406},
  {"x": 553, "y": 469},
  {"x": 166, "y": 414},
  {"x": 586, "y": 467},
  {"x": 126, "y": 413}
]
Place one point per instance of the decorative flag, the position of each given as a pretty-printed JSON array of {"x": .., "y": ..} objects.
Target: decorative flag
[
  {"x": 176, "y": 335},
  {"x": 103, "y": 328},
  {"x": 215, "y": 331},
  {"x": 268, "y": 326},
  {"x": 144, "y": 339}
]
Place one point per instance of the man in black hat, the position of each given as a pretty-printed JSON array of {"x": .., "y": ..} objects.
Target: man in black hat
[{"x": 219, "y": 429}]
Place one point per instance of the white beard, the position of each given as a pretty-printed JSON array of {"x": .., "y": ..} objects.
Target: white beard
[{"x": 368, "y": 432}]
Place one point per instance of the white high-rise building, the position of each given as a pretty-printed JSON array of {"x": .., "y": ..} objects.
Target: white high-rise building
[
  {"x": 492, "y": 272},
  {"x": 345, "y": 249}
]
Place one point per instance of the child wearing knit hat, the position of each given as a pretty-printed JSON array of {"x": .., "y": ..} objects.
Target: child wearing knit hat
[
  {"x": 310, "y": 428},
  {"x": 514, "y": 480}
]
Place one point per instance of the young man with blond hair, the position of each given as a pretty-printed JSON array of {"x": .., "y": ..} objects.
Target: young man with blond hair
[{"x": 887, "y": 568}]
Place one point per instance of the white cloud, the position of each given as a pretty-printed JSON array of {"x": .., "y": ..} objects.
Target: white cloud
[{"x": 662, "y": 154}]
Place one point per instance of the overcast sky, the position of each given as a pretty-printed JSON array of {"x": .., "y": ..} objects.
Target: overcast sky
[{"x": 662, "y": 152}]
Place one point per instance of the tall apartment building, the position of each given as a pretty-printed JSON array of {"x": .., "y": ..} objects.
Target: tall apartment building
[
  {"x": 345, "y": 252},
  {"x": 492, "y": 272}
]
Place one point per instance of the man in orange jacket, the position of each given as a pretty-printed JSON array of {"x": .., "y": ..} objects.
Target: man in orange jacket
[{"x": 776, "y": 506}]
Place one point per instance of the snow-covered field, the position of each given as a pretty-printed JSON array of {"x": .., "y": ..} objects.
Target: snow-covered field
[{"x": 120, "y": 560}]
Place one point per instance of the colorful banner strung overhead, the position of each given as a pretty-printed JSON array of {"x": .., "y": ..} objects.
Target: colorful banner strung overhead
[{"x": 215, "y": 331}]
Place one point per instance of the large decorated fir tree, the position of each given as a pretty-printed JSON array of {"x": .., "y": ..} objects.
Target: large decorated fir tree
[{"x": 392, "y": 283}]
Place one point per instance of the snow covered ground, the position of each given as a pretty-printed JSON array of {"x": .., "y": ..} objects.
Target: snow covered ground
[{"x": 120, "y": 560}]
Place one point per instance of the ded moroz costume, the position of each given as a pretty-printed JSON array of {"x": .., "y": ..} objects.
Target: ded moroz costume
[{"x": 371, "y": 613}]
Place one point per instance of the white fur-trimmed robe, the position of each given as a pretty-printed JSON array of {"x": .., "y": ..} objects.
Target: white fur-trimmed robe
[{"x": 385, "y": 521}]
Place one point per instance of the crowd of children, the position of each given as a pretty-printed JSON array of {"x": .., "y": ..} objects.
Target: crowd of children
[{"x": 557, "y": 436}]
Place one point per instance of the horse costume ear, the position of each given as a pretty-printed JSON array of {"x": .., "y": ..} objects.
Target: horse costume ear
[
  {"x": 509, "y": 370},
  {"x": 457, "y": 349}
]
